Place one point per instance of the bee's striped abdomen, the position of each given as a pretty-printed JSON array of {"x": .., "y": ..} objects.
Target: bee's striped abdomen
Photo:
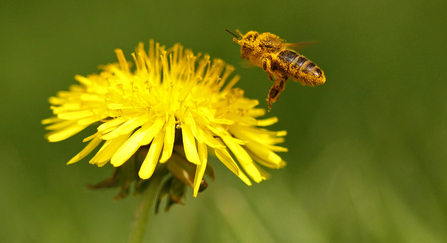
[{"x": 302, "y": 69}]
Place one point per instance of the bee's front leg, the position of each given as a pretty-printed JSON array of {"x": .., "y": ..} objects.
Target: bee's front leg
[{"x": 267, "y": 66}]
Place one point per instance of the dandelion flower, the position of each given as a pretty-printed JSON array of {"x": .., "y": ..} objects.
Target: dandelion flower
[{"x": 177, "y": 106}]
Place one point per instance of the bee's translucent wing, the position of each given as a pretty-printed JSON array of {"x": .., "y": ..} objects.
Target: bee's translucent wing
[
  {"x": 247, "y": 64},
  {"x": 297, "y": 46}
]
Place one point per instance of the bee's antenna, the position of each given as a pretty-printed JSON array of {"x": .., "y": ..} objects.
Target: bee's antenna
[{"x": 237, "y": 37}]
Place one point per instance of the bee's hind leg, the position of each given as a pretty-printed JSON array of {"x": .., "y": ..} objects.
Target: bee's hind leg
[{"x": 276, "y": 89}]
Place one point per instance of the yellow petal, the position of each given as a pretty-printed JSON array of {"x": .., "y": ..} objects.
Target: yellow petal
[
  {"x": 112, "y": 124},
  {"x": 66, "y": 107},
  {"x": 90, "y": 120},
  {"x": 151, "y": 160},
  {"x": 209, "y": 139},
  {"x": 50, "y": 120},
  {"x": 268, "y": 121},
  {"x": 244, "y": 178},
  {"x": 125, "y": 127},
  {"x": 264, "y": 174},
  {"x": 92, "y": 97},
  {"x": 263, "y": 152},
  {"x": 256, "y": 112},
  {"x": 192, "y": 124},
  {"x": 153, "y": 131},
  {"x": 83, "y": 80},
  {"x": 132, "y": 124},
  {"x": 225, "y": 157},
  {"x": 244, "y": 159},
  {"x": 57, "y": 100},
  {"x": 90, "y": 137},
  {"x": 75, "y": 115},
  {"x": 200, "y": 170},
  {"x": 258, "y": 134},
  {"x": 222, "y": 132},
  {"x": 65, "y": 133},
  {"x": 257, "y": 148},
  {"x": 277, "y": 148},
  {"x": 130, "y": 146},
  {"x": 89, "y": 148},
  {"x": 227, "y": 160},
  {"x": 189, "y": 142},
  {"x": 108, "y": 150},
  {"x": 281, "y": 133},
  {"x": 169, "y": 140},
  {"x": 59, "y": 125},
  {"x": 266, "y": 162}
]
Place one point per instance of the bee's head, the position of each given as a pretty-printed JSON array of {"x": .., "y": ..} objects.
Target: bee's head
[
  {"x": 247, "y": 42},
  {"x": 238, "y": 38}
]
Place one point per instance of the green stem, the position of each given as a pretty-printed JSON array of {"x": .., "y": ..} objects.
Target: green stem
[{"x": 147, "y": 198}]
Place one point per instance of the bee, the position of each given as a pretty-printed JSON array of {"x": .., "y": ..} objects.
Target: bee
[{"x": 273, "y": 55}]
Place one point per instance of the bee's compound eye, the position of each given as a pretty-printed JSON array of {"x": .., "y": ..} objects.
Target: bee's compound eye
[{"x": 252, "y": 37}]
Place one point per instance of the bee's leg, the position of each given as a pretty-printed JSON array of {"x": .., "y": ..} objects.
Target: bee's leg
[
  {"x": 276, "y": 89},
  {"x": 267, "y": 66}
]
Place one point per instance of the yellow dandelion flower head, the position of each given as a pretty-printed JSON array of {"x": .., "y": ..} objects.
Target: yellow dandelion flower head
[{"x": 172, "y": 97}]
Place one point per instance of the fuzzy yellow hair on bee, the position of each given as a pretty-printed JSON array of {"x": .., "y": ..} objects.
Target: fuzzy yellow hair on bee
[{"x": 274, "y": 56}]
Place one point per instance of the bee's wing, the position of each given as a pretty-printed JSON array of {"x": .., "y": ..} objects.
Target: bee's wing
[
  {"x": 247, "y": 64},
  {"x": 297, "y": 46}
]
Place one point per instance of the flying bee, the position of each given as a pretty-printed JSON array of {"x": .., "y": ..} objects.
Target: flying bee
[{"x": 273, "y": 55}]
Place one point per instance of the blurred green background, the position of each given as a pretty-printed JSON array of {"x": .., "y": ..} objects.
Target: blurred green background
[{"x": 367, "y": 150}]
